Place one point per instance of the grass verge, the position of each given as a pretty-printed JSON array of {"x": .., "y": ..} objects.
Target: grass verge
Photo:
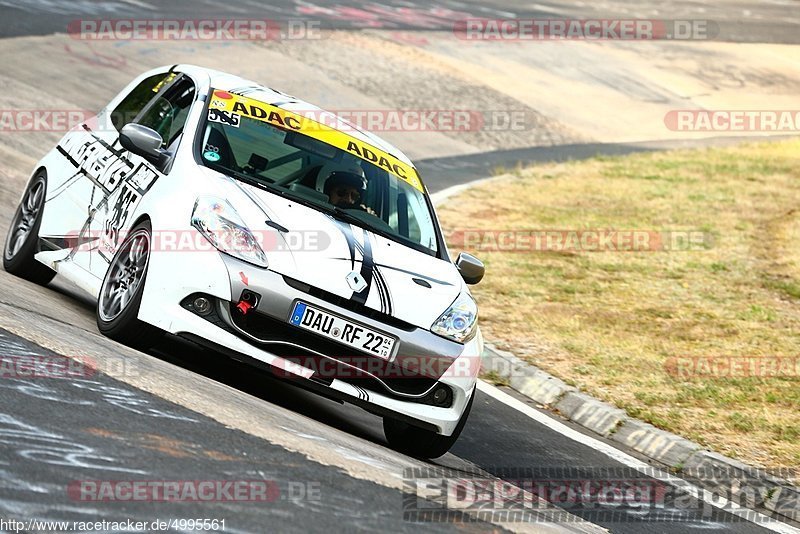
[{"x": 614, "y": 323}]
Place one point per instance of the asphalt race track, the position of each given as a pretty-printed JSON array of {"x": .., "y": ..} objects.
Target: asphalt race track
[{"x": 180, "y": 412}]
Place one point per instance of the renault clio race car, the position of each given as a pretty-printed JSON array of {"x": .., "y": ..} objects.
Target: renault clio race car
[{"x": 237, "y": 217}]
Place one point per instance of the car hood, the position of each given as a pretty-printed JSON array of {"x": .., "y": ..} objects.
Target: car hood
[{"x": 324, "y": 252}]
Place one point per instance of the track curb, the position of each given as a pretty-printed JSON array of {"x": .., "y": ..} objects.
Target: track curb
[{"x": 680, "y": 455}]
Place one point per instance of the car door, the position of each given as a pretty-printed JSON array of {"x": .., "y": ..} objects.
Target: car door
[
  {"x": 91, "y": 168},
  {"x": 165, "y": 112}
]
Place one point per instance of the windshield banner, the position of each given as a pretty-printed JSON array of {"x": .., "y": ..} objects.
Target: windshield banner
[{"x": 235, "y": 106}]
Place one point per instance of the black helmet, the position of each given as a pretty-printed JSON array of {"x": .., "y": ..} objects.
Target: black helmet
[{"x": 351, "y": 179}]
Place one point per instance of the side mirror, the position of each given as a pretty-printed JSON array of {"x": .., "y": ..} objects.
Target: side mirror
[
  {"x": 144, "y": 142},
  {"x": 470, "y": 267}
]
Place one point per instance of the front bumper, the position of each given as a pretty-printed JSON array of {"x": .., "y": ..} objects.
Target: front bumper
[{"x": 457, "y": 365}]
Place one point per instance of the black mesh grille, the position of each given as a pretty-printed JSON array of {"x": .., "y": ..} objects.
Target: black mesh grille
[
  {"x": 264, "y": 327},
  {"x": 401, "y": 378}
]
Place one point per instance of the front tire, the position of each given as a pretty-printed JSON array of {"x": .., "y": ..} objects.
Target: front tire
[
  {"x": 421, "y": 443},
  {"x": 22, "y": 242},
  {"x": 122, "y": 289}
]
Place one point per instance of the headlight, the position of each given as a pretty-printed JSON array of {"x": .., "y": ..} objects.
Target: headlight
[
  {"x": 223, "y": 227},
  {"x": 460, "y": 321}
]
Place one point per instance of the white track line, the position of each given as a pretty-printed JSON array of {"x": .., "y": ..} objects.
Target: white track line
[{"x": 634, "y": 463}]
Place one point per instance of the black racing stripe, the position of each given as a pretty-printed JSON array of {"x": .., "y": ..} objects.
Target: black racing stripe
[
  {"x": 119, "y": 153},
  {"x": 367, "y": 269},
  {"x": 381, "y": 281},
  {"x": 245, "y": 90},
  {"x": 381, "y": 294},
  {"x": 362, "y": 393},
  {"x": 419, "y": 275},
  {"x": 63, "y": 187},
  {"x": 351, "y": 241},
  {"x": 412, "y": 273},
  {"x": 380, "y": 284},
  {"x": 66, "y": 155}
]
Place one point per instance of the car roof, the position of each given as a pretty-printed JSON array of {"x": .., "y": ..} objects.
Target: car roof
[{"x": 236, "y": 84}]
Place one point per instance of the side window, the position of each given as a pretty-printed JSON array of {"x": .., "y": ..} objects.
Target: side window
[
  {"x": 167, "y": 113},
  {"x": 132, "y": 105}
]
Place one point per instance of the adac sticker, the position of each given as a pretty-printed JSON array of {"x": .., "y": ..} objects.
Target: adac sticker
[{"x": 241, "y": 105}]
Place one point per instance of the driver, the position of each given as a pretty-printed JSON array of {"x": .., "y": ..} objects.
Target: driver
[{"x": 346, "y": 190}]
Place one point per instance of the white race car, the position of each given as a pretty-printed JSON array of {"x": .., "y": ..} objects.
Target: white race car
[{"x": 242, "y": 219}]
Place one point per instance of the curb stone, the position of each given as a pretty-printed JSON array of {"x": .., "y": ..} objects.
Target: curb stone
[
  {"x": 527, "y": 379},
  {"x": 591, "y": 413},
  {"x": 748, "y": 486},
  {"x": 665, "y": 447}
]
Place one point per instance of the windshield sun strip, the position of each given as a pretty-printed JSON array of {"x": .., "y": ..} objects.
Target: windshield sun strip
[{"x": 235, "y": 106}]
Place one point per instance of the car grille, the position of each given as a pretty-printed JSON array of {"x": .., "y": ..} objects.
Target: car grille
[
  {"x": 267, "y": 328},
  {"x": 302, "y": 347}
]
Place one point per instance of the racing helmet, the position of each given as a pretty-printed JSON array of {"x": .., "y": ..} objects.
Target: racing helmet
[{"x": 338, "y": 174}]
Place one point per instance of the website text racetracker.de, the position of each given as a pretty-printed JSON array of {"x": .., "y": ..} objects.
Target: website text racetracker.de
[
  {"x": 349, "y": 366},
  {"x": 524, "y": 29},
  {"x": 741, "y": 120},
  {"x": 732, "y": 367},
  {"x": 171, "y": 241},
  {"x": 584, "y": 240},
  {"x": 123, "y": 525},
  {"x": 373, "y": 120},
  {"x": 173, "y": 490},
  {"x": 27, "y": 366},
  {"x": 193, "y": 29}
]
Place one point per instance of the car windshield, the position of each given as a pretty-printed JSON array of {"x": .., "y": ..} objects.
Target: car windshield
[{"x": 318, "y": 166}]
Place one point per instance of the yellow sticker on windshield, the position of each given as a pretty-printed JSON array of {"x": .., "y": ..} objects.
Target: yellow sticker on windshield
[{"x": 261, "y": 111}]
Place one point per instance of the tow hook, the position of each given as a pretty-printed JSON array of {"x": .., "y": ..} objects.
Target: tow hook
[
  {"x": 244, "y": 307},
  {"x": 247, "y": 301}
]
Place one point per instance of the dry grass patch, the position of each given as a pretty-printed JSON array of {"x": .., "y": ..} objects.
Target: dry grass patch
[{"x": 608, "y": 322}]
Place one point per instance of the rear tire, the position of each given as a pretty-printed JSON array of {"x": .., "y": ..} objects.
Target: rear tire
[
  {"x": 121, "y": 292},
  {"x": 22, "y": 242},
  {"x": 421, "y": 443}
]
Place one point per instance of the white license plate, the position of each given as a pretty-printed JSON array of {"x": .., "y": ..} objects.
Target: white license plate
[{"x": 342, "y": 330}]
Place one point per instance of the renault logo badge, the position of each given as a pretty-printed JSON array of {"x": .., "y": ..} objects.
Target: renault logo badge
[{"x": 356, "y": 281}]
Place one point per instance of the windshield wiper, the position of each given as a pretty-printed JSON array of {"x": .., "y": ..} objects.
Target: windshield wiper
[
  {"x": 286, "y": 193},
  {"x": 352, "y": 219},
  {"x": 252, "y": 180}
]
